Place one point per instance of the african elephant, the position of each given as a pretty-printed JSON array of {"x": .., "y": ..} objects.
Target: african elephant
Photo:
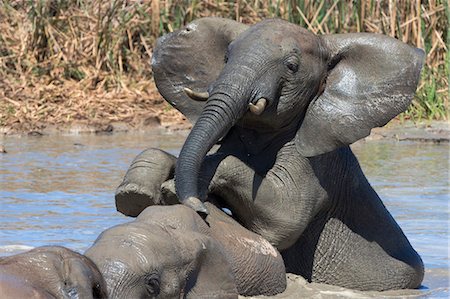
[
  {"x": 50, "y": 272},
  {"x": 285, "y": 104},
  {"x": 171, "y": 252}
]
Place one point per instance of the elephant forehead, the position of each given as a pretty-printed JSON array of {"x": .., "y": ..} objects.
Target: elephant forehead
[
  {"x": 117, "y": 262},
  {"x": 152, "y": 245},
  {"x": 170, "y": 217},
  {"x": 144, "y": 241},
  {"x": 277, "y": 36},
  {"x": 121, "y": 242},
  {"x": 278, "y": 27}
]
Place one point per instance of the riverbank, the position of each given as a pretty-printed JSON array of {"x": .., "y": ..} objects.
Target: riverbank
[
  {"x": 51, "y": 107},
  {"x": 172, "y": 120},
  {"x": 428, "y": 131}
]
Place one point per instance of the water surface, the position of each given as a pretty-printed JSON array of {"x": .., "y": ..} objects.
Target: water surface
[{"x": 59, "y": 190}]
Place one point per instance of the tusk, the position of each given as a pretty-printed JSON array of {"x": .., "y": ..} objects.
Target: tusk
[
  {"x": 259, "y": 107},
  {"x": 196, "y": 96}
]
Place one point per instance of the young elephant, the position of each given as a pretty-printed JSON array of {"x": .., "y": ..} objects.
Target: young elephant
[
  {"x": 171, "y": 252},
  {"x": 50, "y": 272},
  {"x": 285, "y": 105}
]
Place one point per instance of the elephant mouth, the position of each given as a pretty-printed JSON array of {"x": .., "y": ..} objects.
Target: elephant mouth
[{"x": 257, "y": 106}]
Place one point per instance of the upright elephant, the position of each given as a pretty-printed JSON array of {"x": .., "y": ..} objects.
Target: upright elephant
[
  {"x": 285, "y": 105},
  {"x": 171, "y": 252},
  {"x": 50, "y": 272}
]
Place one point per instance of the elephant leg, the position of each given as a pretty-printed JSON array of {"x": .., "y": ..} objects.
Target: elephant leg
[
  {"x": 278, "y": 205},
  {"x": 329, "y": 251},
  {"x": 141, "y": 186}
]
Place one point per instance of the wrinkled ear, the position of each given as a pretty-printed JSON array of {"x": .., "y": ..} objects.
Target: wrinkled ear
[
  {"x": 371, "y": 79},
  {"x": 192, "y": 57},
  {"x": 211, "y": 275}
]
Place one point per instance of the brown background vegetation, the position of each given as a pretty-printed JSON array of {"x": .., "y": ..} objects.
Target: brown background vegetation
[{"x": 66, "y": 62}]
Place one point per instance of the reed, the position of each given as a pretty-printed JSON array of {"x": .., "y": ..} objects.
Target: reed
[{"x": 107, "y": 45}]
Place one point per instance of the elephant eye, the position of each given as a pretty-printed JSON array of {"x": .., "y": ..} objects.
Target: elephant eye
[
  {"x": 152, "y": 285},
  {"x": 97, "y": 291},
  {"x": 292, "y": 66},
  {"x": 225, "y": 59}
]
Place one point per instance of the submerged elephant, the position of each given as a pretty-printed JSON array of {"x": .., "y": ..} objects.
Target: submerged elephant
[
  {"x": 171, "y": 252},
  {"x": 50, "y": 272},
  {"x": 284, "y": 105}
]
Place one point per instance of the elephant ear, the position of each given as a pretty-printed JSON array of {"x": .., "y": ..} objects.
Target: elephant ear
[
  {"x": 210, "y": 274},
  {"x": 371, "y": 79},
  {"x": 192, "y": 57}
]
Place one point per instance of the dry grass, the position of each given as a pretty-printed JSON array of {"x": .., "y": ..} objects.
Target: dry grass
[{"x": 66, "y": 61}]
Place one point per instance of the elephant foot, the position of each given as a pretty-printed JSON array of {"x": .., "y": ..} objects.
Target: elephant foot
[
  {"x": 168, "y": 193},
  {"x": 141, "y": 185},
  {"x": 197, "y": 205},
  {"x": 169, "y": 197},
  {"x": 132, "y": 199}
]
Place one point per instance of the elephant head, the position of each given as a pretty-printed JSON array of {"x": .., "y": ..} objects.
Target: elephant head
[
  {"x": 148, "y": 260},
  {"x": 324, "y": 92},
  {"x": 170, "y": 252},
  {"x": 50, "y": 272}
]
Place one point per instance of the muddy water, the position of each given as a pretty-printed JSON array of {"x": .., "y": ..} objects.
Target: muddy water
[{"x": 60, "y": 190}]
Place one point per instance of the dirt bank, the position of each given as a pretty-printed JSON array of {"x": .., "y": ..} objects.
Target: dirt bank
[
  {"x": 125, "y": 112},
  {"x": 427, "y": 131},
  {"x": 76, "y": 107}
]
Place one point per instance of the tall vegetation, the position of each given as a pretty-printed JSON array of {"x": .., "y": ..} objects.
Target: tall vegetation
[{"x": 108, "y": 44}]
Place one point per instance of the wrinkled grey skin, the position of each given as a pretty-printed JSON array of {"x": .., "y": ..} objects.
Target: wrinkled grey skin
[
  {"x": 171, "y": 252},
  {"x": 50, "y": 272},
  {"x": 287, "y": 174}
]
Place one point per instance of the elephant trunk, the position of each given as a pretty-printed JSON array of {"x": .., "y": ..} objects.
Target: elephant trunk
[{"x": 220, "y": 113}]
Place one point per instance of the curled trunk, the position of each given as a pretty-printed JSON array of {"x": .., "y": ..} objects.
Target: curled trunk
[{"x": 221, "y": 112}]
